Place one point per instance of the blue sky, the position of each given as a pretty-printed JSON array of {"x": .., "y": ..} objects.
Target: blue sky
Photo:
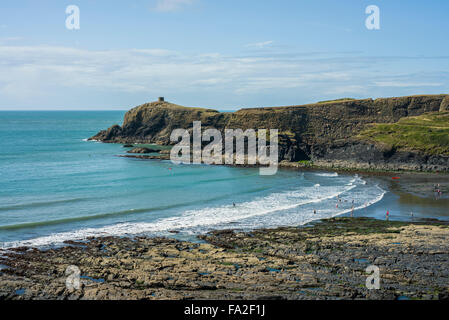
[{"x": 224, "y": 54}]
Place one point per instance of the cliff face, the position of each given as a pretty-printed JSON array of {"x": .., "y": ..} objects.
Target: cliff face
[{"x": 326, "y": 133}]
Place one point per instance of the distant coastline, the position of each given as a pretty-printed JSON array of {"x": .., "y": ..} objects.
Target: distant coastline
[{"x": 392, "y": 134}]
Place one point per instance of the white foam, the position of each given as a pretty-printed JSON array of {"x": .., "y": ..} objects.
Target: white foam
[
  {"x": 206, "y": 218},
  {"x": 367, "y": 203},
  {"x": 195, "y": 218},
  {"x": 334, "y": 174},
  {"x": 363, "y": 197}
]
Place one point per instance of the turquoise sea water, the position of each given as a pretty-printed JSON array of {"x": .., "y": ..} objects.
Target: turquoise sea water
[{"x": 56, "y": 186}]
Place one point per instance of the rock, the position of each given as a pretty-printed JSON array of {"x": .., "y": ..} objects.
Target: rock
[
  {"x": 323, "y": 134},
  {"x": 128, "y": 146},
  {"x": 143, "y": 150},
  {"x": 259, "y": 266},
  {"x": 108, "y": 134}
]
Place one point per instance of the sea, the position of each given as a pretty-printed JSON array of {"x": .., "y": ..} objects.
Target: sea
[{"x": 57, "y": 186}]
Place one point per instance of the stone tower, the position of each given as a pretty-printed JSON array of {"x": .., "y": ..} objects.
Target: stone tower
[{"x": 161, "y": 99}]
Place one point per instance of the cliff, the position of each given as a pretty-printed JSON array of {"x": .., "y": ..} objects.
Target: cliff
[{"x": 331, "y": 134}]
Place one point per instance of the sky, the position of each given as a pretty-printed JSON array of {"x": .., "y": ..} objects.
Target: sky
[{"x": 222, "y": 54}]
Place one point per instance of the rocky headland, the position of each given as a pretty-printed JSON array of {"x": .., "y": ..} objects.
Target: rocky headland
[
  {"x": 389, "y": 134},
  {"x": 323, "y": 260}
]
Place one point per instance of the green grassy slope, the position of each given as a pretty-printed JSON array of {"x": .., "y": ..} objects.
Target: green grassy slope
[{"x": 427, "y": 133}]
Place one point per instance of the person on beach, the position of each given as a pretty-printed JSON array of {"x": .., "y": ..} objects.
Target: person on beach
[
  {"x": 388, "y": 215},
  {"x": 314, "y": 211},
  {"x": 233, "y": 204}
]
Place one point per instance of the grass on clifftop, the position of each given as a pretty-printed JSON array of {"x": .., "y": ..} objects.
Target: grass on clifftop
[
  {"x": 336, "y": 100},
  {"x": 428, "y": 133}
]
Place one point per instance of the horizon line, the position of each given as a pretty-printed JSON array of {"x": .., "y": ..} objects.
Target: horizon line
[
  {"x": 63, "y": 110},
  {"x": 245, "y": 107}
]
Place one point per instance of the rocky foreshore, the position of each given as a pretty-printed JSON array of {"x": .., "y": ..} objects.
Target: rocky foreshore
[
  {"x": 324, "y": 260},
  {"x": 335, "y": 165}
]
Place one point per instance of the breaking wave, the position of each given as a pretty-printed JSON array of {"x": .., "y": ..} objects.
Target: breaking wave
[{"x": 291, "y": 207}]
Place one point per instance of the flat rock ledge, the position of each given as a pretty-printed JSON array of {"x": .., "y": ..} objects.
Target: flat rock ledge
[
  {"x": 143, "y": 150},
  {"x": 324, "y": 260}
]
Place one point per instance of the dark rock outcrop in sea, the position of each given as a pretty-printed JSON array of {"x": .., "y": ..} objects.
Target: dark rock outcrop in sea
[
  {"x": 143, "y": 150},
  {"x": 326, "y": 134}
]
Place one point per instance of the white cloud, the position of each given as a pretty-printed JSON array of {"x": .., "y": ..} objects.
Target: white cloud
[
  {"x": 61, "y": 75},
  {"x": 405, "y": 84},
  {"x": 260, "y": 45},
  {"x": 171, "y": 5},
  {"x": 154, "y": 52},
  {"x": 9, "y": 39}
]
